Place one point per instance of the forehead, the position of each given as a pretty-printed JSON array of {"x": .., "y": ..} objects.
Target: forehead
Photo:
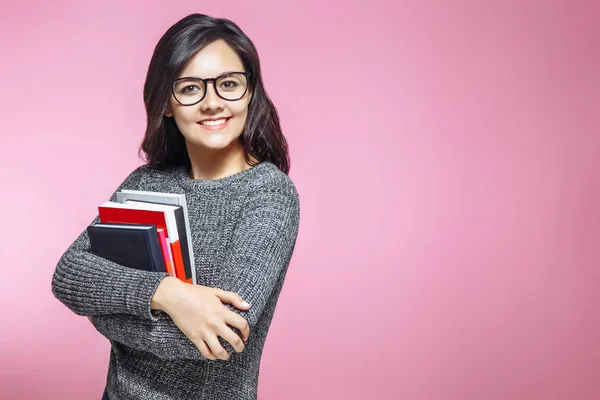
[{"x": 214, "y": 59}]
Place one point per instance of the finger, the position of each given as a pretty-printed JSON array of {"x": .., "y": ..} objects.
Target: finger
[
  {"x": 233, "y": 299},
  {"x": 213, "y": 343},
  {"x": 239, "y": 322},
  {"x": 204, "y": 350},
  {"x": 226, "y": 333}
]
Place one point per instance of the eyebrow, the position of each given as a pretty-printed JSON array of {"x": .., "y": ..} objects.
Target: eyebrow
[{"x": 221, "y": 74}]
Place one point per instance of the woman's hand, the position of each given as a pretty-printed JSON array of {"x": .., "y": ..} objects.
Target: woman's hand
[{"x": 198, "y": 311}]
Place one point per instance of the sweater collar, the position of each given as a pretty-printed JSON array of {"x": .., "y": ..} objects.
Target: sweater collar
[{"x": 186, "y": 182}]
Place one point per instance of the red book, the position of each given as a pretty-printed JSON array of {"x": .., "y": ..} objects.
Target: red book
[
  {"x": 166, "y": 251},
  {"x": 163, "y": 216}
]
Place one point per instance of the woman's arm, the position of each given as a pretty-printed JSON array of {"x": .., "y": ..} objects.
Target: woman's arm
[
  {"x": 160, "y": 337},
  {"x": 185, "y": 311},
  {"x": 92, "y": 285},
  {"x": 118, "y": 299},
  {"x": 261, "y": 249}
]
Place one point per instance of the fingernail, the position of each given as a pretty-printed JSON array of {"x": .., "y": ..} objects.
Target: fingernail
[{"x": 245, "y": 304}]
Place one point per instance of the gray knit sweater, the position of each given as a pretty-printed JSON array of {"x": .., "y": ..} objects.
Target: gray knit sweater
[{"x": 244, "y": 230}]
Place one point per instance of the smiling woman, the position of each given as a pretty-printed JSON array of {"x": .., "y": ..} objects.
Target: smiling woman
[
  {"x": 212, "y": 73},
  {"x": 213, "y": 135}
]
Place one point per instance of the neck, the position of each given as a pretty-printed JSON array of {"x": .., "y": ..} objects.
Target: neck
[{"x": 209, "y": 165}]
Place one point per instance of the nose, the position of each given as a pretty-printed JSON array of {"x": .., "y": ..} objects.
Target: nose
[{"x": 211, "y": 100}]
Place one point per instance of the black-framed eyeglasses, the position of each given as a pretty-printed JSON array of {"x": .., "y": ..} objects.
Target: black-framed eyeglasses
[{"x": 229, "y": 86}]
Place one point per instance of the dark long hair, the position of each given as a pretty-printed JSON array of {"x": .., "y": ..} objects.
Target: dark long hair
[{"x": 163, "y": 143}]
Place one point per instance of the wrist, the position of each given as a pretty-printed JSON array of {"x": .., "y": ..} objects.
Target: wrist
[{"x": 160, "y": 300}]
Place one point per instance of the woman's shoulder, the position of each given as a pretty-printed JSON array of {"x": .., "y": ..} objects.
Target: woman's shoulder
[
  {"x": 154, "y": 173},
  {"x": 147, "y": 177},
  {"x": 272, "y": 179},
  {"x": 274, "y": 190},
  {"x": 147, "y": 169}
]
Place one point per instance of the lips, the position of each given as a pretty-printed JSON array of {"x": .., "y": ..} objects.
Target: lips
[
  {"x": 214, "y": 119},
  {"x": 215, "y": 127}
]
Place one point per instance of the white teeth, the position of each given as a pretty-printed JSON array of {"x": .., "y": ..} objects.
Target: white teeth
[{"x": 211, "y": 123}]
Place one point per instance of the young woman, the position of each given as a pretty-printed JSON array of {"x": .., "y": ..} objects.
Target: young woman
[{"x": 214, "y": 135}]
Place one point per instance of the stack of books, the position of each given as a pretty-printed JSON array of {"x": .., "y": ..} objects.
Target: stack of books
[{"x": 147, "y": 231}]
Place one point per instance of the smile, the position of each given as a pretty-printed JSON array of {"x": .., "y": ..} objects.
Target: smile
[{"x": 213, "y": 125}]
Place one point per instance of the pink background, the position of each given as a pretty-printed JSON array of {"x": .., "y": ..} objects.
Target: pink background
[{"x": 447, "y": 156}]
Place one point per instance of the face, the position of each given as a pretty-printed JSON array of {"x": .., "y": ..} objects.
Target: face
[{"x": 210, "y": 62}]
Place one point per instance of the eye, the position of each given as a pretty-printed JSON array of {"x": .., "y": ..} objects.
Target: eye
[
  {"x": 185, "y": 89},
  {"x": 229, "y": 84}
]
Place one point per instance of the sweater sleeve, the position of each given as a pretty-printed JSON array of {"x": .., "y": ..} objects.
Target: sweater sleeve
[
  {"x": 263, "y": 244},
  {"x": 92, "y": 285},
  {"x": 261, "y": 249},
  {"x": 159, "y": 336}
]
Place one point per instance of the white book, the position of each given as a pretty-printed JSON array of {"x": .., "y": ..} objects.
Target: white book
[{"x": 174, "y": 199}]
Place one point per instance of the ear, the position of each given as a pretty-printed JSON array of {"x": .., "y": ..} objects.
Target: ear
[{"x": 168, "y": 112}]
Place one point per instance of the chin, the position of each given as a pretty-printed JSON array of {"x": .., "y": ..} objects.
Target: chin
[{"x": 214, "y": 142}]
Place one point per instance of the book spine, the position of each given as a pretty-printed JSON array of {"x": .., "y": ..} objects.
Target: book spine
[
  {"x": 178, "y": 259},
  {"x": 166, "y": 251},
  {"x": 185, "y": 251}
]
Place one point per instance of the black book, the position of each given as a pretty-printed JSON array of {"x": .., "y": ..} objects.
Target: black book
[{"x": 132, "y": 245}]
